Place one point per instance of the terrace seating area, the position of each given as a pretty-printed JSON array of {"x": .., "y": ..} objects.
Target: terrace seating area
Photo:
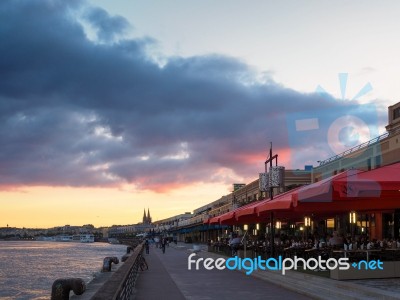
[{"x": 385, "y": 250}]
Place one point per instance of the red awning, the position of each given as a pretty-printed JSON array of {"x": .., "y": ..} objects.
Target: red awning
[
  {"x": 226, "y": 217},
  {"x": 257, "y": 211},
  {"x": 378, "y": 189},
  {"x": 214, "y": 220},
  {"x": 232, "y": 217},
  {"x": 322, "y": 191},
  {"x": 247, "y": 210},
  {"x": 381, "y": 183},
  {"x": 336, "y": 207},
  {"x": 282, "y": 201}
]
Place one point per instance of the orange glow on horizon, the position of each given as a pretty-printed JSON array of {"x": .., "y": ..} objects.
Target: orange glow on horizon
[{"x": 45, "y": 207}]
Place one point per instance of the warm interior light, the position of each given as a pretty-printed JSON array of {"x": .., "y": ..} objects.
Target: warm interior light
[
  {"x": 245, "y": 227},
  {"x": 278, "y": 225},
  {"x": 307, "y": 221},
  {"x": 352, "y": 217},
  {"x": 258, "y": 226},
  {"x": 330, "y": 223}
]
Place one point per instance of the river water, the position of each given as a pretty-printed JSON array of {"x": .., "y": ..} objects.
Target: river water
[{"x": 29, "y": 268}]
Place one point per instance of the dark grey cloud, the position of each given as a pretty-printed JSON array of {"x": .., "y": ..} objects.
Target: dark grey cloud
[
  {"x": 75, "y": 112},
  {"x": 107, "y": 27}
]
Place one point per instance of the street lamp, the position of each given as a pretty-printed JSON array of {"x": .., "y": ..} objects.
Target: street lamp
[
  {"x": 353, "y": 221},
  {"x": 245, "y": 227},
  {"x": 307, "y": 223}
]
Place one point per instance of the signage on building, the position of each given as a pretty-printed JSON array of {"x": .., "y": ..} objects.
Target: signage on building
[
  {"x": 263, "y": 182},
  {"x": 237, "y": 186},
  {"x": 276, "y": 176}
]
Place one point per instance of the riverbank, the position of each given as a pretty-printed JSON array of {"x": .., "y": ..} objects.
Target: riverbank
[
  {"x": 97, "y": 282},
  {"x": 29, "y": 268},
  {"x": 111, "y": 279}
]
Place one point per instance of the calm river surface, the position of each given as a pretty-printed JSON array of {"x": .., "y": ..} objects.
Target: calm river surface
[{"x": 29, "y": 268}]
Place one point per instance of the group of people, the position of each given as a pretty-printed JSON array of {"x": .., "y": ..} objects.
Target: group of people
[
  {"x": 345, "y": 242},
  {"x": 160, "y": 243},
  {"x": 334, "y": 240},
  {"x": 356, "y": 242}
]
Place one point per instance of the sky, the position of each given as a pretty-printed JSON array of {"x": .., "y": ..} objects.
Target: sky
[{"x": 111, "y": 107}]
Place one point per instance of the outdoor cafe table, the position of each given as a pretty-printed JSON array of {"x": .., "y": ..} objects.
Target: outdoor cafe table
[{"x": 366, "y": 251}]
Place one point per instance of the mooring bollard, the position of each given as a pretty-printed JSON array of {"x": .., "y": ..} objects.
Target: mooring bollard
[
  {"x": 129, "y": 249},
  {"x": 61, "y": 288},
  {"x": 107, "y": 263},
  {"x": 124, "y": 257}
]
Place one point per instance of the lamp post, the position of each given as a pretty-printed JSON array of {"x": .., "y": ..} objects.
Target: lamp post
[
  {"x": 245, "y": 228},
  {"x": 271, "y": 196},
  {"x": 353, "y": 221},
  {"x": 307, "y": 223},
  {"x": 257, "y": 230}
]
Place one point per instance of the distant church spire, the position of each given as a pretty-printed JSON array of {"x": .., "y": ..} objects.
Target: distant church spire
[
  {"x": 144, "y": 216},
  {"x": 148, "y": 216}
]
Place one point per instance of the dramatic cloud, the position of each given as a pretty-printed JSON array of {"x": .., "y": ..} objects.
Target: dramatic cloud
[
  {"x": 106, "y": 26},
  {"x": 82, "y": 113}
]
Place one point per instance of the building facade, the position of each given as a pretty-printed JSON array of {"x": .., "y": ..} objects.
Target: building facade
[{"x": 380, "y": 151}]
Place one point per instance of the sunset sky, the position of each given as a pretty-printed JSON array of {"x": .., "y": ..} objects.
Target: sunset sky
[{"x": 110, "y": 107}]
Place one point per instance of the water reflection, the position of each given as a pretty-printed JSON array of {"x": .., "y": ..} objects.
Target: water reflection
[{"x": 29, "y": 268}]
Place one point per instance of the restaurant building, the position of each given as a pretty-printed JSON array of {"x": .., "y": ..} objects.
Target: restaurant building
[
  {"x": 354, "y": 193},
  {"x": 196, "y": 228},
  {"x": 381, "y": 151}
]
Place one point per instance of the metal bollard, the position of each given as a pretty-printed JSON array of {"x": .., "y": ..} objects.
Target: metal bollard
[
  {"x": 107, "y": 263},
  {"x": 61, "y": 288},
  {"x": 124, "y": 258}
]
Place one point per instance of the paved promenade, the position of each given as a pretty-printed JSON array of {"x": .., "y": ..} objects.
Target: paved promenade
[{"x": 168, "y": 277}]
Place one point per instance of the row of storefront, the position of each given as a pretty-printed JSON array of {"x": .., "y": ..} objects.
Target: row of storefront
[{"x": 347, "y": 194}]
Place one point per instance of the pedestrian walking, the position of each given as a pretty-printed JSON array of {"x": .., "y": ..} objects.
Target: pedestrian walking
[{"x": 163, "y": 244}]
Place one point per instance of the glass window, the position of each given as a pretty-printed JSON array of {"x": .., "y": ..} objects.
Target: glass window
[{"x": 396, "y": 113}]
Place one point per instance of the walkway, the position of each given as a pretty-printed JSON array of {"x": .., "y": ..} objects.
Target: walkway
[{"x": 168, "y": 277}]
